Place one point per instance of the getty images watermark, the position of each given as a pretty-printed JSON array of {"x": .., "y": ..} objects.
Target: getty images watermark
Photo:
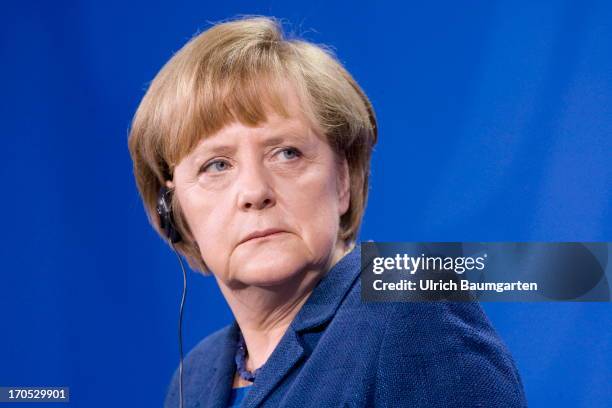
[{"x": 466, "y": 271}]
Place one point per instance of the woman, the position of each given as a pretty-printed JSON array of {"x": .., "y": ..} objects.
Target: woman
[{"x": 264, "y": 146}]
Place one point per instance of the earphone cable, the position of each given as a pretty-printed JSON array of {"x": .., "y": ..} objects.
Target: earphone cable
[{"x": 180, "y": 324}]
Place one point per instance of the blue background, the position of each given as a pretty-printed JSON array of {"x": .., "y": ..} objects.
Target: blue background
[{"x": 495, "y": 125}]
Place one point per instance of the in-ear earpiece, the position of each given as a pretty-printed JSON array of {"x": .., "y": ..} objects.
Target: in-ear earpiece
[{"x": 164, "y": 210}]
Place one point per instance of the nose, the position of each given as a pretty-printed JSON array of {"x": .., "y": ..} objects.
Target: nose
[{"x": 254, "y": 189}]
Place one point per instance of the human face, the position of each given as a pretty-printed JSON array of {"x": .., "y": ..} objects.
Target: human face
[{"x": 280, "y": 180}]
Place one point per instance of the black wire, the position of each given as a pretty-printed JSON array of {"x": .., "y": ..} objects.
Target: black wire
[{"x": 180, "y": 325}]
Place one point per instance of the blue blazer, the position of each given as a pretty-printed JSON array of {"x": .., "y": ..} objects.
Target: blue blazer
[{"x": 342, "y": 352}]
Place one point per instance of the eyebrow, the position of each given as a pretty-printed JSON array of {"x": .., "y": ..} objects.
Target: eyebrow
[{"x": 274, "y": 140}]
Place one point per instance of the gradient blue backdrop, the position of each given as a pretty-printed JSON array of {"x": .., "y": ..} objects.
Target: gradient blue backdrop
[{"x": 495, "y": 125}]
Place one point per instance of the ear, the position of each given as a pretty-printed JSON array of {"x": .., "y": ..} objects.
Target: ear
[
  {"x": 344, "y": 187},
  {"x": 170, "y": 184}
]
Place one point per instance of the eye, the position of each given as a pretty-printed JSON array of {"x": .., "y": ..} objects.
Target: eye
[
  {"x": 216, "y": 166},
  {"x": 290, "y": 153}
]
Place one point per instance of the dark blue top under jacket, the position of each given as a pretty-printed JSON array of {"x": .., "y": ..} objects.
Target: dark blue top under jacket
[{"x": 342, "y": 352}]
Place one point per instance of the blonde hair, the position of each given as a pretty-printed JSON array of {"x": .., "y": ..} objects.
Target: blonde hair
[{"x": 232, "y": 72}]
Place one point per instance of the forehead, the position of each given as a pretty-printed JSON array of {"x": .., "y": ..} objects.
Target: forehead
[
  {"x": 274, "y": 126},
  {"x": 293, "y": 122}
]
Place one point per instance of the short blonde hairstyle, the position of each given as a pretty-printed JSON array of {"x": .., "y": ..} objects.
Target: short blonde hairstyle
[{"x": 235, "y": 71}]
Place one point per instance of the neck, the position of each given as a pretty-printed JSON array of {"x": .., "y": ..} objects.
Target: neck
[{"x": 264, "y": 313}]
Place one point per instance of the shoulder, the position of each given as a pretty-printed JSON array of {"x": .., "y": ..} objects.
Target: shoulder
[
  {"x": 198, "y": 367},
  {"x": 431, "y": 353},
  {"x": 455, "y": 353},
  {"x": 436, "y": 327},
  {"x": 433, "y": 326}
]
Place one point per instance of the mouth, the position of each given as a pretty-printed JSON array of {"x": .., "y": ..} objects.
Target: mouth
[{"x": 257, "y": 235}]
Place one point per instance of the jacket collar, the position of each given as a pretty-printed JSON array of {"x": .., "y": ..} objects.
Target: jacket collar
[
  {"x": 319, "y": 309},
  {"x": 329, "y": 292}
]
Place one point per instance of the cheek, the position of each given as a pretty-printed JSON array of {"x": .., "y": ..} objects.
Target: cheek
[
  {"x": 209, "y": 225},
  {"x": 313, "y": 205}
]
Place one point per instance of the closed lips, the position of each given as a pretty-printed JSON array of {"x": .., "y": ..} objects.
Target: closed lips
[{"x": 259, "y": 234}]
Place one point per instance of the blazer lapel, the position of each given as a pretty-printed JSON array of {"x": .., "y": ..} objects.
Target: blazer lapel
[
  {"x": 286, "y": 355},
  {"x": 217, "y": 394}
]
